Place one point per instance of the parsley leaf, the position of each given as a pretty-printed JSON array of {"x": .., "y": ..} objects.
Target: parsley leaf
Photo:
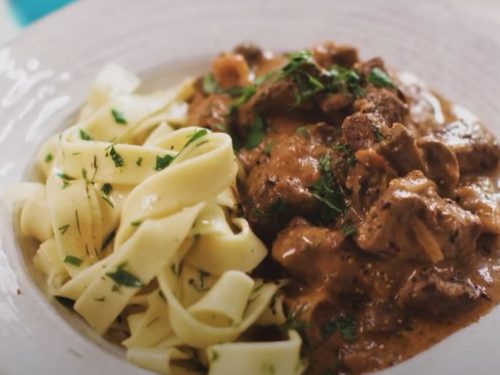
[
  {"x": 106, "y": 189},
  {"x": 163, "y": 162},
  {"x": 84, "y": 135},
  {"x": 139, "y": 160},
  {"x": 380, "y": 78},
  {"x": 118, "y": 116},
  {"x": 256, "y": 133},
  {"x": 209, "y": 84},
  {"x": 73, "y": 260},
  {"x": 379, "y": 136},
  {"x": 48, "y": 158},
  {"x": 116, "y": 157},
  {"x": 327, "y": 190},
  {"x": 125, "y": 278},
  {"x": 197, "y": 135},
  {"x": 348, "y": 228},
  {"x": 346, "y": 325}
]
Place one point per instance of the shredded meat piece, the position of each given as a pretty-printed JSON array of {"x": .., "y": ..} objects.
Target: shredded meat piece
[
  {"x": 329, "y": 53},
  {"x": 385, "y": 103},
  {"x": 436, "y": 292},
  {"x": 410, "y": 220},
  {"x": 209, "y": 111}
]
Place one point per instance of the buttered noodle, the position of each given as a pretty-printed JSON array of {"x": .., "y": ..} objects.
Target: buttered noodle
[{"x": 137, "y": 208}]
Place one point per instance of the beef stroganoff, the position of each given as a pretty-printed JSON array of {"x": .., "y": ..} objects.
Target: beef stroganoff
[{"x": 289, "y": 213}]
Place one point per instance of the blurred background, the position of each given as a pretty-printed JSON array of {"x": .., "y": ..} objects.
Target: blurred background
[{"x": 18, "y": 14}]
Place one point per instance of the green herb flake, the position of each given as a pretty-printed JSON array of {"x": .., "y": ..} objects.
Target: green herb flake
[
  {"x": 108, "y": 240},
  {"x": 346, "y": 325},
  {"x": 118, "y": 116},
  {"x": 214, "y": 356},
  {"x": 209, "y": 84},
  {"x": 48, "y": 158},
  {"x": 106, "y": 188},
  {"x": 327, "y": 190},
  {"x": 84, "y": 135},
  {"x": 268, "y": 148},
  {"x": 115, "y": 156},
  {"x": 163, "y": 162},
  {"x": 197, "y": 135},
  {"x": 73, "y": 260},
  {"x": 302, "y": 130},
  {"x": 102, "y": 299},
  {"x": 84, "y": 173},
  {"x": 377, "y": 133},
  {"x": 63, "y": 176},
  {"x": 125, "y": 278},
  {"x": 348, "y": 228},
  {"x": 63, "y": 229},
  {"x": 380, "y": 78},
  {"x": 297, "y": 60},
  {"x": 256, "y": 133},
  {"x": 139, "y": 161},
  {"x": 136, "y": 223},
  {"x": 77, "y": 218}
]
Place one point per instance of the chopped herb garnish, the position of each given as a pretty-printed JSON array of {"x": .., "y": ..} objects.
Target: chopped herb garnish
[
  {"x": 136, "y": 223},
  {"x": 107, "y": 241},
  {"x": 377, "y": 133},
  {"x": 380, "y": 78},
  {"x": 268, "y": 148},
  {"x": 345, "y": 80},
  {"x": 107, "y": 189},
  {"x": 48, "y": 158},
  {"x": 139, "y": 160},
  {"x": 297, "y": 61},
  {"x": 78, "y": 222},
  {"x": 347, "y": 153},
  {"x": 348, "y": 228},
  {"x": 63, "y": 229},
  {"x": 125, "y": 278},
  {"x": 327, "y": 190},
  {"x": 118, "y": 116},
  {"x": 73, "y": 260},
  {"x": 256, "y": 133},
  {"x": 197, "y": 135},
  {"x": 209, "y": 84},
  {"x": 214, "y": 356},
  {"x": 84, "y": 173},
  {"x": 163, "y": 162},
  {"x": 346, "y": 325},
  {"x": 115, "y": 156},
  {"x": 102, "y": 299},
  {"x": 302, "y": 130},
  {"x": 64, "y": 176},
  {"x": 221, "y": 127},
  {"x": 201, "y": 286},
  {"x": 278, "y": 207},
  {"x": 84, "y": 135}
]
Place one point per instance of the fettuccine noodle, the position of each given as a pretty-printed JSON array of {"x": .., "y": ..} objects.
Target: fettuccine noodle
[{"x": 136, "y": 219}]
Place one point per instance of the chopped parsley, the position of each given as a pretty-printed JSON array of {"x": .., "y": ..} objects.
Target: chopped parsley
[
  {"x": 302, "y": 130},
  {"x": 70, "y": 259},
  {"x": 380, "y": 78},
  {"x": 115, "y": 156},
  {"x": 107, "y": 189},
  {"x": 346, "y": 151},
  {"x": 163, "y": 162},
  {"x": 63, "y": 229},
  {"x": 345, "y": 80},
  {"x": 136, "y": 223},
  {"x": 346, "y": 325},
  {"x": 48, "y": 158},
  {"x": 107, "y": 241},
  {"x": 348, "y": 228},
  {"x": 209, "y": 84},
  {"x": 84, "y": 135},
  {"x": 268, "y": 148},
  {"x": 102, "y": 299},
  {"x": 77, "y": 218},
  {"x": 256, "y": 133},
  {"x": 377, "y": 133},
  {"x": 139, "y": 160},
  {"x": 84, "y": 173},
  {"x": 197, "y": 135},
  {"x": 119, "y": 117},
  {"x": 297, "y": 60},
  {"x": 65, "y": 178},
  {"x": 125, "y": 278},
  {"x": 200, "y": 286},
  {"x": 327, "y": 190},
  {"x": 214, "y": 356}
]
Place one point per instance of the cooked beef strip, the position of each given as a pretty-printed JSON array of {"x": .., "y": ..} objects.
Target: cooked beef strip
[{"x": 410, "y": 220}]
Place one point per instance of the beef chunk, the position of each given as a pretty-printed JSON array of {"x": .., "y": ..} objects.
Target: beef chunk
[
  {"x": 360, "y": 130},
  {"x": 307, "y": 252},
  {"x": 208, "y": 111},
  {"x": 278, "y": 188},
  {"x": 356, "y": 358},
  {"x": 481, "y": 196},
  {"x": 410, "y": 220},
  {"x": 385, "y": 103},
  {"x": 366, "y": 67},
  {"x": 250, "y": 52},
  {"x": 441, "y": 165},
  {"x": 476, "y": 149},
  {"x": 270, "y": 97},
  {"x": 383, "y": 317},
  {"x": 400, "y": 148},
  {"x": 368, "y": 179},
  {"x": 437, "y": 292},
  {"x": 329, "y": 53}
]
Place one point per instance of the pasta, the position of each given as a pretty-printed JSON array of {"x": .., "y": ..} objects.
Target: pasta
[{"x": 142, "y": 225}]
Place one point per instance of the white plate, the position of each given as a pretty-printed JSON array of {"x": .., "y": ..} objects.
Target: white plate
[{"x": 44, "y": 77}]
